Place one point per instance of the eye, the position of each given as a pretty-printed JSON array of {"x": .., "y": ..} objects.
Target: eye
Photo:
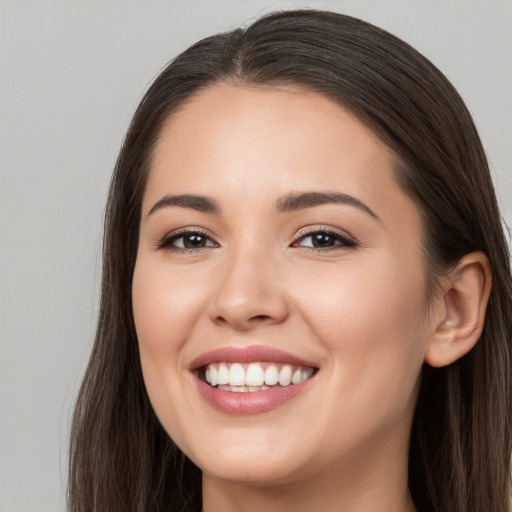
[
  {"x": 187, "y": 241},
  {"x": 324, "y": 239}
]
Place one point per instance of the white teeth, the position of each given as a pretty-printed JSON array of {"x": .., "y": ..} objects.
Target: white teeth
[
  {"x": 213, "y": 376},
  {"x": 255, "y": 375},
  {"x": 237, "y": 375},
  {"x": 297, "y": 376},
  {"x": 223, "y": 375},
  {"x": 242, "y": 389},
  {"x": 241, "y": 378},
  {"x": 285, "y": 375},
  {"x": 271, "y": 375}
]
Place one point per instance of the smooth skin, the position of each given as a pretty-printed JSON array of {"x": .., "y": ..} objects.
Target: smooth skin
[{"x": 251, "y": 274}]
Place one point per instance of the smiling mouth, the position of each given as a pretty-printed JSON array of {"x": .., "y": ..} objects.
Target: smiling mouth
[
  {"x": 252, "y": 377},
  {"x": 251, "y": 380}
]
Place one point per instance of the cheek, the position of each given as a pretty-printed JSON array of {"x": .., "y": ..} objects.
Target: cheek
[
  {"x": 165, "y": 306},
  {"x": 354, "y": 299},
  {"x": 371, "y": 320}
]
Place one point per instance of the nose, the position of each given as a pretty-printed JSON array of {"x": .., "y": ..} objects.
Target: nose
[{"x": 250, "y": 294}]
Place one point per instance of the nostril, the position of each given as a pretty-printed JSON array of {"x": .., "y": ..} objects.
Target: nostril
[
  {"x": 259, "y": 318},
  {"x": 220, "y": 320}
]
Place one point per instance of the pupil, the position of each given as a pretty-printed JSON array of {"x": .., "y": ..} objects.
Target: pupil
[
  {"x": 193, "y": 241},
  {"x": 322, "y": 240}
]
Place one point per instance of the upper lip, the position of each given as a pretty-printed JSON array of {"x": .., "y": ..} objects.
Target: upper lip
[{"x": 249, "y": 355}]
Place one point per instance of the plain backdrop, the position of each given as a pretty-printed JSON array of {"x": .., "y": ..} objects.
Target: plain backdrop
[{"x": 71, "y": 74}]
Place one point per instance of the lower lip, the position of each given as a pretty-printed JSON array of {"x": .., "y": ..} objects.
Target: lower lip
[{"x": 250, "y": 402}]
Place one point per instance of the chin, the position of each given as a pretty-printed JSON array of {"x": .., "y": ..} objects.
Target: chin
[
  {"x": 256, "y": 473},
  {"x": 252, "y": 463}
]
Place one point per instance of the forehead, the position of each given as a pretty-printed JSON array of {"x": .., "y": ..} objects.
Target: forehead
[
  {"x": 239, "y": 142},
  {"x": 258, "y": 130}
]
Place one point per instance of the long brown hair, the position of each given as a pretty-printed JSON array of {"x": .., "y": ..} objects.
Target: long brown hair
[{"x": 121, "y": 459}]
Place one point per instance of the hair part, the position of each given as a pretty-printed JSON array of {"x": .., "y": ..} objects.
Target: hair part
[{"x": 120, "y": 456}]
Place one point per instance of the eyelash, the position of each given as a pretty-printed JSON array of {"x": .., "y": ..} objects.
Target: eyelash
[
  {"x": 341, "y": 241},
  {"x": 168, "y": 240}
]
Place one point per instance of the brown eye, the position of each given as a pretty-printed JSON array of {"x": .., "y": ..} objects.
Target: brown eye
[
  {"x": 193, "y": 241},
  {"x": 324, "y": 240},
  {"x": 189, "y": 240}
]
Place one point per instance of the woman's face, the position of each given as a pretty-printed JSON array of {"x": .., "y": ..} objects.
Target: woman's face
[{"x": 275, "y": 244}]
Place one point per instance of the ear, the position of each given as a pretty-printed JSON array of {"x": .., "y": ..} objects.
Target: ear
[{"x": 460, "y": 310}]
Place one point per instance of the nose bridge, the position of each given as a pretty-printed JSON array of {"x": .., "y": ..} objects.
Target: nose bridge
[{"x": 249, "y": 291}]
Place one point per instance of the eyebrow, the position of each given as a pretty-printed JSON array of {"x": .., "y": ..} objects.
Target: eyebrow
[
  {"x": 288, "y": 203},
  {"x": 199, "y": 203},
  {"x": 299, "y": 200}
]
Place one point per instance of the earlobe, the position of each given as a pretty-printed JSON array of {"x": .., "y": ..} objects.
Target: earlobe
[{"x": 462, "y": 305}]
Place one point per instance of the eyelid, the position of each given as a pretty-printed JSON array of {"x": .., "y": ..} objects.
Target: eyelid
[
  {"x": 165, "y": 242},
  {"x": 348, "y": 241}
]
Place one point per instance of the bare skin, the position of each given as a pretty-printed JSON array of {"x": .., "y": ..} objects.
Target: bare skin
[{"x": 339, "y": 283}]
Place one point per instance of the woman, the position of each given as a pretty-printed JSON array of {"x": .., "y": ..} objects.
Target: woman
[{"x": 306, "y": 299}]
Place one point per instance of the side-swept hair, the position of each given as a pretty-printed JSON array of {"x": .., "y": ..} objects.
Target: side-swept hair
[{"x": 121, "y": 459}]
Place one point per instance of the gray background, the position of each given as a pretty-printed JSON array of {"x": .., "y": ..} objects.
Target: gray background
[{"x": 71, "y": 74}]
